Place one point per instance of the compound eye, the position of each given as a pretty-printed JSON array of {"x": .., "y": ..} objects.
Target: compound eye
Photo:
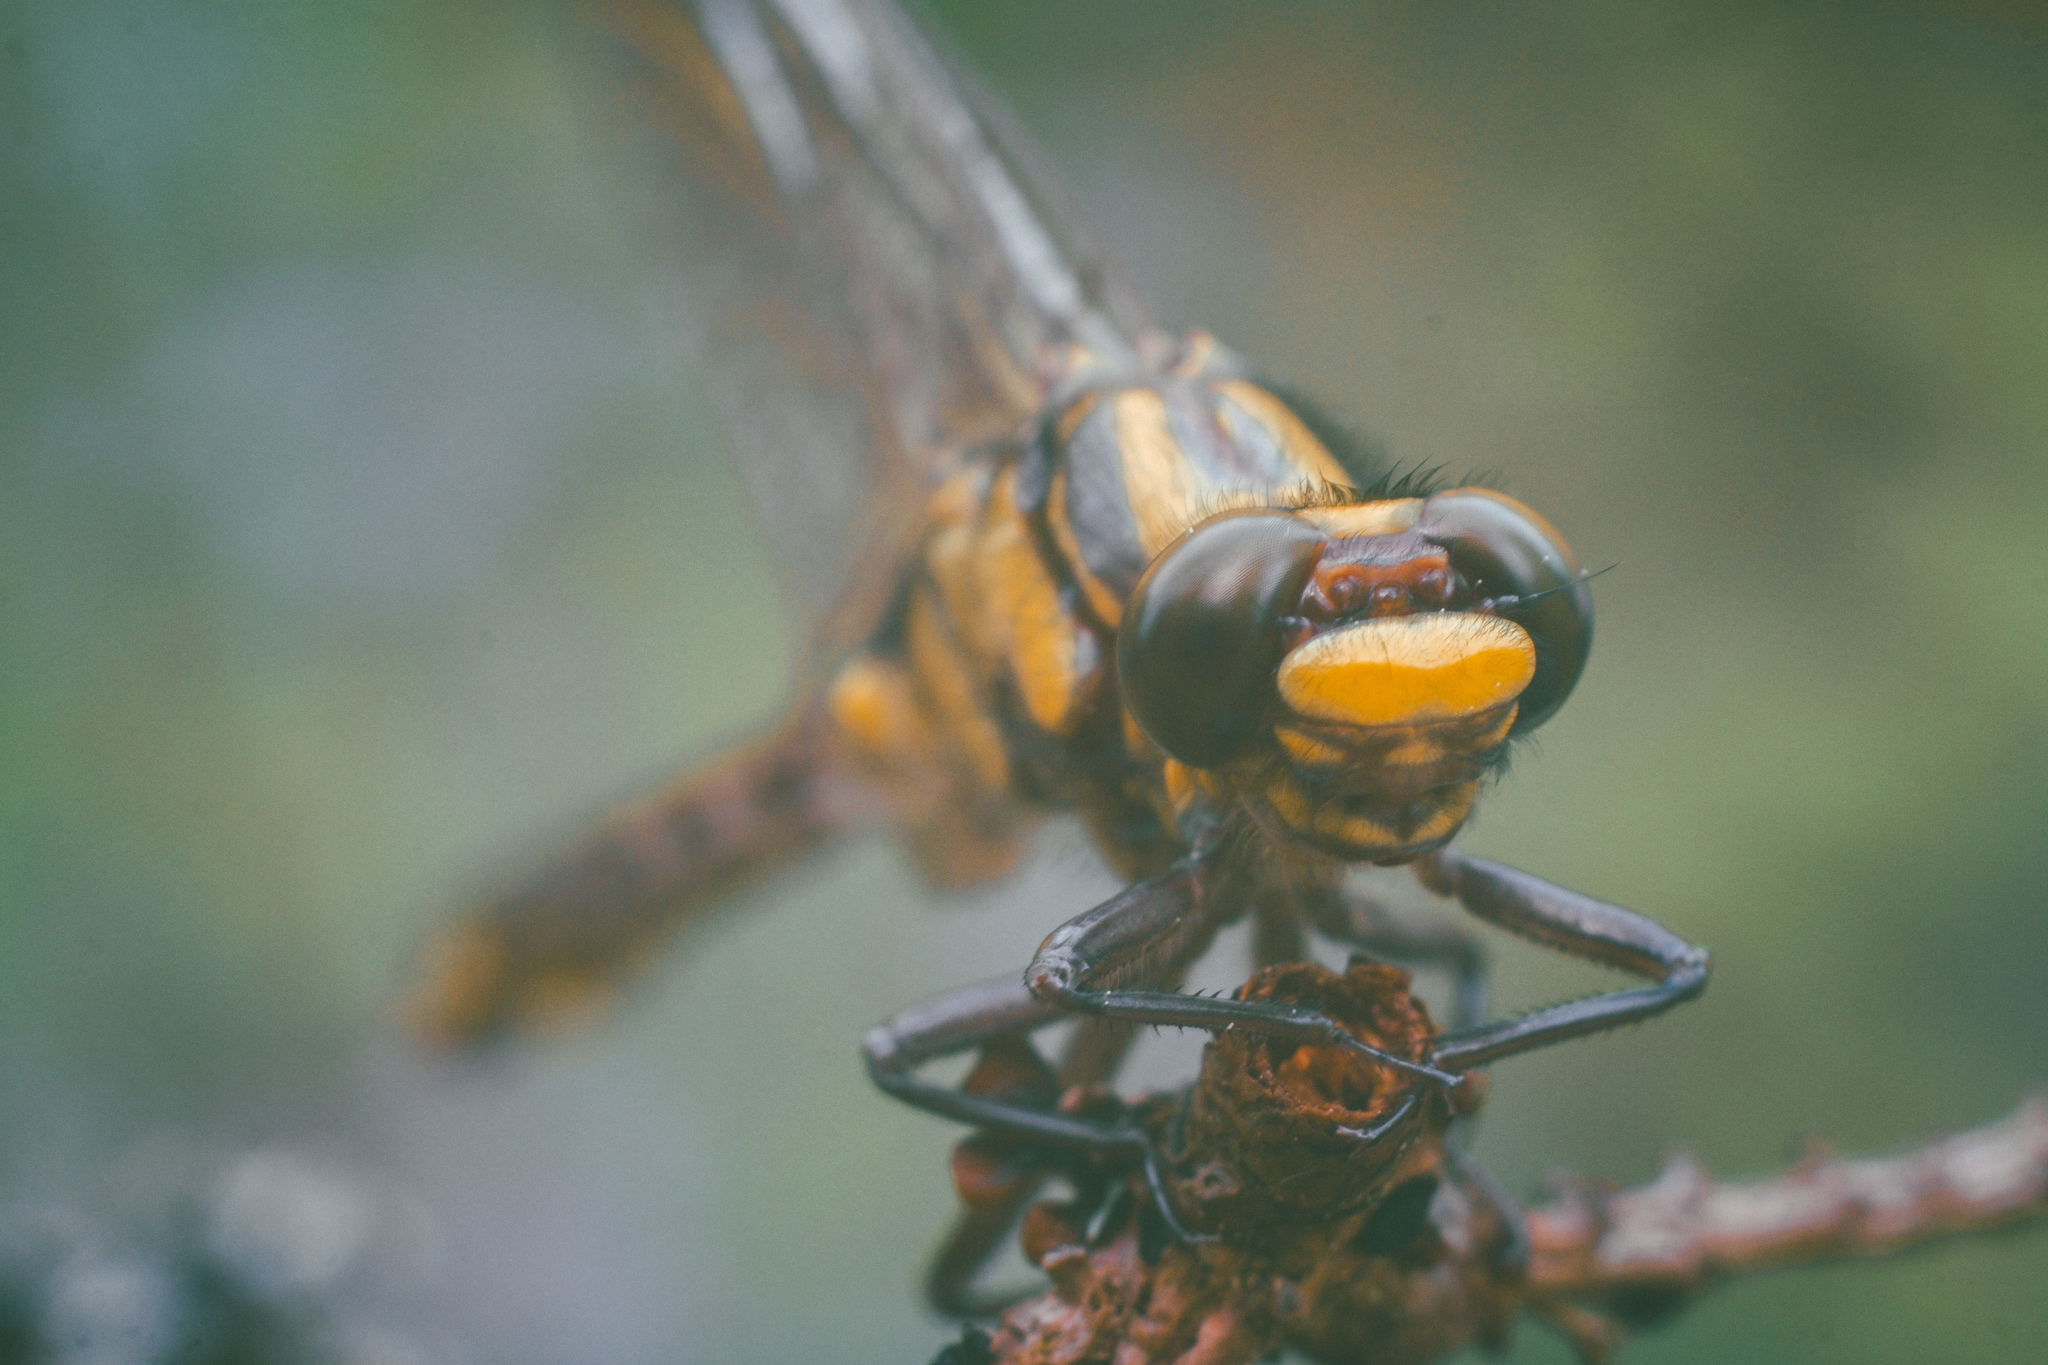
[
  {"x": 1205, "y": 629},
  {"x": 1518, "y": 566}
]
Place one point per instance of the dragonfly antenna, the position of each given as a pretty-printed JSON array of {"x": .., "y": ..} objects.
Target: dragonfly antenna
[{"x": 1531, "y": 597}]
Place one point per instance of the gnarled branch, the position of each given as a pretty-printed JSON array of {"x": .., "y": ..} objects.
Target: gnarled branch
[
  {"x": 1625, "y": 1254},
  {"x": 1381, "y": 1251}
]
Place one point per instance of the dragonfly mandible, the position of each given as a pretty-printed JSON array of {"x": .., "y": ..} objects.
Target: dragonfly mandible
[{"x": 1070, "y": 563}]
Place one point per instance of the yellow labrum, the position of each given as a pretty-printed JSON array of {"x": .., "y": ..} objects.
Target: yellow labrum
[{"x": 1398, "y": 670}]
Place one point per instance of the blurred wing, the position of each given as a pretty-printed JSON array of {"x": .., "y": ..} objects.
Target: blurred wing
[{"x": 870, "y": 263}]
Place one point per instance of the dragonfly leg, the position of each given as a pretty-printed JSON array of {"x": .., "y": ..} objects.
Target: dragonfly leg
[
  {"x": 981, "y": 1014},
  {"x": 964, "y": 1019},
  {"x": 1173, "y": 918},
  {"x": 1091, "y": 965},
  {"x": 1570, "y": 923}
]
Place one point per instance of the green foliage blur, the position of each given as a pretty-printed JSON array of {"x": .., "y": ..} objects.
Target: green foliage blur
[{"x": 360, "y": 531}]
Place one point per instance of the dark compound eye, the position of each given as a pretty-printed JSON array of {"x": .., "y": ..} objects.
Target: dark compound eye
[
  {"x": 1205, "y": 630},
  {"x": 1514, "y": 560}
]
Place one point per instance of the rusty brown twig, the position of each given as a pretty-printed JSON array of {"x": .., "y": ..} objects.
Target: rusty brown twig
[
  {"x": 1602, "y": 1256},
  {"x": 1377, "y": 1252}
]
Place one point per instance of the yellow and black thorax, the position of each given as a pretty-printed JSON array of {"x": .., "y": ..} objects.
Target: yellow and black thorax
[{"x": 1172, "y": 600}]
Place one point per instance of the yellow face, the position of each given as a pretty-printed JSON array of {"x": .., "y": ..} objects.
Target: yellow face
[
  {"x": 1389, "y": 725},
  {"x": 1350, "y": 674}
]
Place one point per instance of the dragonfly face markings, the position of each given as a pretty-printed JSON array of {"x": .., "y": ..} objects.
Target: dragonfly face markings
[{"x": 1372, "y": 649}]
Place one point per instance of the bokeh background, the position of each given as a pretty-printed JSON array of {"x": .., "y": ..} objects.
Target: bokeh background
[{"x": 360, "y": 530}]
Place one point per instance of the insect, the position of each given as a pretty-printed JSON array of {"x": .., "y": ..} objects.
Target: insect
[{"x": 1072, "y": 564}]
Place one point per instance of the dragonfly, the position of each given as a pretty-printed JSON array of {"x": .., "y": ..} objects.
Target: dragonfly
[{"x": 1058, "y": 561}]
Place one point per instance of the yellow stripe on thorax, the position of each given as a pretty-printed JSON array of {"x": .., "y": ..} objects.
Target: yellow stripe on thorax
[
  {"x": 1047, "y": 653},
  {"x": 1165, "y": 490}
]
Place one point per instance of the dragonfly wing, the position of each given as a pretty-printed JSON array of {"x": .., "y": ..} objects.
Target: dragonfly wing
[
  {"x": 876, "y": 275},
  {"x": 872, "y": 265}
]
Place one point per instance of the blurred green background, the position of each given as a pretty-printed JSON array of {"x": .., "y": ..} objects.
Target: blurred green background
[{"x": 359, "y": 530}]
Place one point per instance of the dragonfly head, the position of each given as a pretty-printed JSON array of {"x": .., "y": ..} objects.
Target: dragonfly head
[{"x": 1353, "y": 672}]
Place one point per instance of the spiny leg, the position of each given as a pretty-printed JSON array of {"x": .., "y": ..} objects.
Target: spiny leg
[
  {"x": 972, "y": 1017},
  {"x": 1168, "y": 920},
  {"x": 1182, "y": 909},
  {"x": 1571, "y": 923},
  {"x": 1097, "y": 963}
]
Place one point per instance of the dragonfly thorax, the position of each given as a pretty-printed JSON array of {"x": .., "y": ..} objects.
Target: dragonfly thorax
[
  {"x": 1170, "y": 595},
  {"x": 1120, "y": 471}
]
